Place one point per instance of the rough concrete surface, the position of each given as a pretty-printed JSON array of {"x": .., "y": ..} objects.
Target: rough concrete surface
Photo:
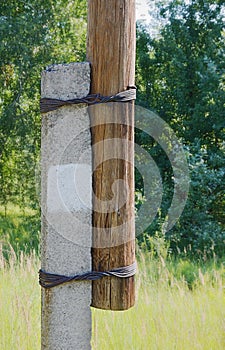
[{"x": 66, "y": 209}]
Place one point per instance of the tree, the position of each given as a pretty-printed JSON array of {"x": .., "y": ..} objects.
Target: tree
[
  {"x": 183, "y": 79},
  {"x": 180, "y": 75},
  {"x": 33, "y": 34}
]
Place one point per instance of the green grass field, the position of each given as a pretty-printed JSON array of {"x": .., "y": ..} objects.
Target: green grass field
[{"x": 180, "y": 305}]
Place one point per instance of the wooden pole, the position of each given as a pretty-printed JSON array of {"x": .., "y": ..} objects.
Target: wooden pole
[{"x": 111, "y": 52}]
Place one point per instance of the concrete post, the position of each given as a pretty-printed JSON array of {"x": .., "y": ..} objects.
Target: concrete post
[{"x": 66, "y": 208}]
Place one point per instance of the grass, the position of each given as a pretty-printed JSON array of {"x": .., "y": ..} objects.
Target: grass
[
  {"x": 175, "y": 309},
  {"x": 19, "y": 229},
  {"x": 180, "y": 304},
  {"x": 19, "y": 303},
  {"x": 168, "y": 313}
]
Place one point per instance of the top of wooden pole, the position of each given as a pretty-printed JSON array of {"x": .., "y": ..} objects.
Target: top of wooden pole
[{"x": 111, "y": 45}]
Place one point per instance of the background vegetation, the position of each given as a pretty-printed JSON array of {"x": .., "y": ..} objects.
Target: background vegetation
[
  {"x": 179, "y": 306},
  {"x": 179, "y": 74}
]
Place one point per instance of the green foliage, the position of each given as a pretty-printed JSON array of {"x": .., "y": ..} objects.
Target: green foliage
[
  {"x": 68, "y": 34},
  {"x": 19, "y": 231},
  {"x": 33, "y": 34},
  {"x": 202, "y": 225},
  {"x": 23, "y": 29},
  {"x": 180, "y": 75},
  {"x": 188, "y": 271}
]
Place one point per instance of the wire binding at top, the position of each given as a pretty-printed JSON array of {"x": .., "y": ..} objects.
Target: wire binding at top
[{"x": 51, "y": 104}]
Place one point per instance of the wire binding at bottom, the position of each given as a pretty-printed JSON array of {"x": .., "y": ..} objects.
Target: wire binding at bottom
[{"x": 50, "y": 280}]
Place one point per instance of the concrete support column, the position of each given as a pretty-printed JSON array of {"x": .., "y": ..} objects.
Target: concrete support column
[{"x": 66, "y": 208}]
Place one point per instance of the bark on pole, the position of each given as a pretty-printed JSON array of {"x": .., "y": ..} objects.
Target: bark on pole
[{"x": 111, "y": 52}]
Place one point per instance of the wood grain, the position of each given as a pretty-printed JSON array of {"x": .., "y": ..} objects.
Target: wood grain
[{"x": 111, "y": 52}]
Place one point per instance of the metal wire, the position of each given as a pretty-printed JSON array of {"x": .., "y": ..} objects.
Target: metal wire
[
  {"x": 50, "y": 280},
  {"x": 51, "y": 104}
]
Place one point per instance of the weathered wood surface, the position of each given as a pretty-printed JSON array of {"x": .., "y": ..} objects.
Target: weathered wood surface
[{"x": 111, "y": 52}]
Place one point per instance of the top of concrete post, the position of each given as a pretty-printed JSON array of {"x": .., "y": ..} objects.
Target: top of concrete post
[{"x": 55, "y": 78}]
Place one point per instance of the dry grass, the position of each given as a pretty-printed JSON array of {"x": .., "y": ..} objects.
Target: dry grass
[
  {"x": 168, "y": 314},
  {"x": 19, "y": 304}
]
